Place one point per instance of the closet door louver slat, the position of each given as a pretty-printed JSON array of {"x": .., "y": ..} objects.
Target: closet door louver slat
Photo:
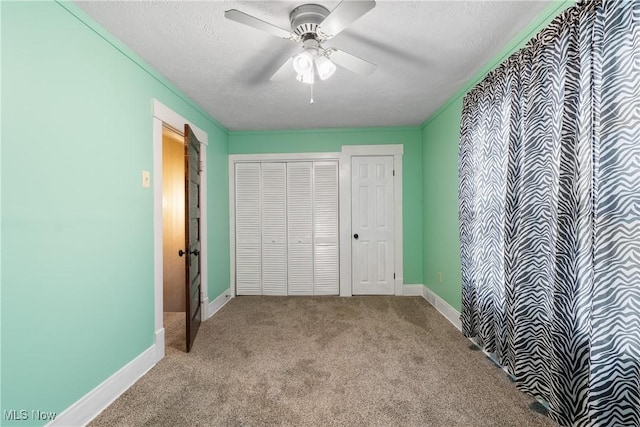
[
  {"x": 325, "y": 228},
  {"x": 300, "y": 228},
  {"x": 248, "y": 230},
  {"x": 287, "y": 240},
  {"x": 274, "y": 229}
]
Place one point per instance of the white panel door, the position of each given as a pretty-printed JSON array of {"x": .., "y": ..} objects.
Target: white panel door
[
  {"x": 299, "y": 228},
  {"x": 326, "y": 264},
  {"x": 248, "y": 230},
  {"x": 274, "y": 228},
  {"x": 372, "y": 225}
]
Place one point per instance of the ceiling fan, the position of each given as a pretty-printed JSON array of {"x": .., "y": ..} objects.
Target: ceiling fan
[{"x": 312, "y": 25}]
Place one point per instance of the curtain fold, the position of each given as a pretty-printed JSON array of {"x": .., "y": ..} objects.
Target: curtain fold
[{"x": 549, "y": 190}]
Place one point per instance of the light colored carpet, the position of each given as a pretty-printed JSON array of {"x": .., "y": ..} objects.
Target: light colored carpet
[
  {"x": 322, "y": 361},
  {"x": 174, "y": 332}
]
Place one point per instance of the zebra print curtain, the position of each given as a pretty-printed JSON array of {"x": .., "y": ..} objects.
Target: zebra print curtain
[{"x": 549, "y": 188}]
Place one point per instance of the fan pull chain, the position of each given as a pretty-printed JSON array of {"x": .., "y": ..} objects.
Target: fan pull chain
[{"x": 311, "y": 100}]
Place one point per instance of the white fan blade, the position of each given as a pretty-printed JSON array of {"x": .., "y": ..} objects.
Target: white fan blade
[
  {"x": 343, "y": 15},
  {"x": 252, "y": 21},
  {"x": 284, "y": 72},
  {"x": 352, "y": 63}
]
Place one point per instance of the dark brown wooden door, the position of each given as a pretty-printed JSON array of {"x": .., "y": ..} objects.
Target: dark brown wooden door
[{"x": 192, "y": 233}]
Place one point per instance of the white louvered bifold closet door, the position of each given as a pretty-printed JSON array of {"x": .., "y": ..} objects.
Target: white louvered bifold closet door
[
  {"x": 300, "y": 228},
  {"x": 274, "y": 228},
  {"x": 248, "y": 229},
  {"x": 325, "y": 228}
]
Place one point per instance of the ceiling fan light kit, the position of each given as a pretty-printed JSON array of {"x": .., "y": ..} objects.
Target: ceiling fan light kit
[
  {"x": 311, "y": 61},
  {"x": 303, "y": 62},
  {"x": 325, "y": 67},
  {"x": 312, "y": 25}
]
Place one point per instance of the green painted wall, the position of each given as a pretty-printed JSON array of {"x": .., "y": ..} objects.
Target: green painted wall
[
  {"x": 77, "y": 226},
  {"x": 332, "y": 140},
  {"x": 440, "y": 137},
  {"x": 440, "y": 207}
]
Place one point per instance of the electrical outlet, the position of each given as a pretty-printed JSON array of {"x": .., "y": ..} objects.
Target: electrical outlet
[{"x": 439, "y": 277}]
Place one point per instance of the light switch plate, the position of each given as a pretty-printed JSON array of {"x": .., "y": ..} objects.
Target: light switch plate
[{"x": 146, "y": 179}]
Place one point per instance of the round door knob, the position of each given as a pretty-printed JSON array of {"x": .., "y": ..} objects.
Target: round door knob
[
  {"x": 355, "y": 236},
  {"x": 181, "y": 253}
]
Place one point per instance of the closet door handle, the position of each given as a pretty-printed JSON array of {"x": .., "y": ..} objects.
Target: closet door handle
[{"x": 355, "y": 236}]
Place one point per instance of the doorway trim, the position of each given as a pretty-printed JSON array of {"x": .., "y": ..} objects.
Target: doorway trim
[
  {"x": 164, "y": 115},
  {"x": 349, "y": 151}
]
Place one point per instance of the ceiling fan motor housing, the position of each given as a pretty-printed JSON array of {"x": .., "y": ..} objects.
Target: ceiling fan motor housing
[{"x": 305, "y": 20}]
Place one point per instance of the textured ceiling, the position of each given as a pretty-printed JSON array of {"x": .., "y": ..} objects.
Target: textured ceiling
[{"x": 425, "y": 52}]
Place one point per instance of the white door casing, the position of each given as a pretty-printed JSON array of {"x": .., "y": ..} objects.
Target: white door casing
[
  {"x": 372, "y": 225},
  {"x": 163, "y": 114}
]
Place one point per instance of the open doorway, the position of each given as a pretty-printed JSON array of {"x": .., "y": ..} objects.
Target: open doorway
[
  {"x": 198, "y": 302},
  {"x": 173, "y": 237}
]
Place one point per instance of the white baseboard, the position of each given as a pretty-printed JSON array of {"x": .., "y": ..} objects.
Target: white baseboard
[
  {"x": 94, "y": 402},
  {"x": 413, "y": 290},
  {"x": 159, "y": 344},
  {"x": 450, "y": 313},
  {"x": 204, "y": 309},
  {"x": 218, "y": 303},
  {"x": 398, "y": 286}
]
